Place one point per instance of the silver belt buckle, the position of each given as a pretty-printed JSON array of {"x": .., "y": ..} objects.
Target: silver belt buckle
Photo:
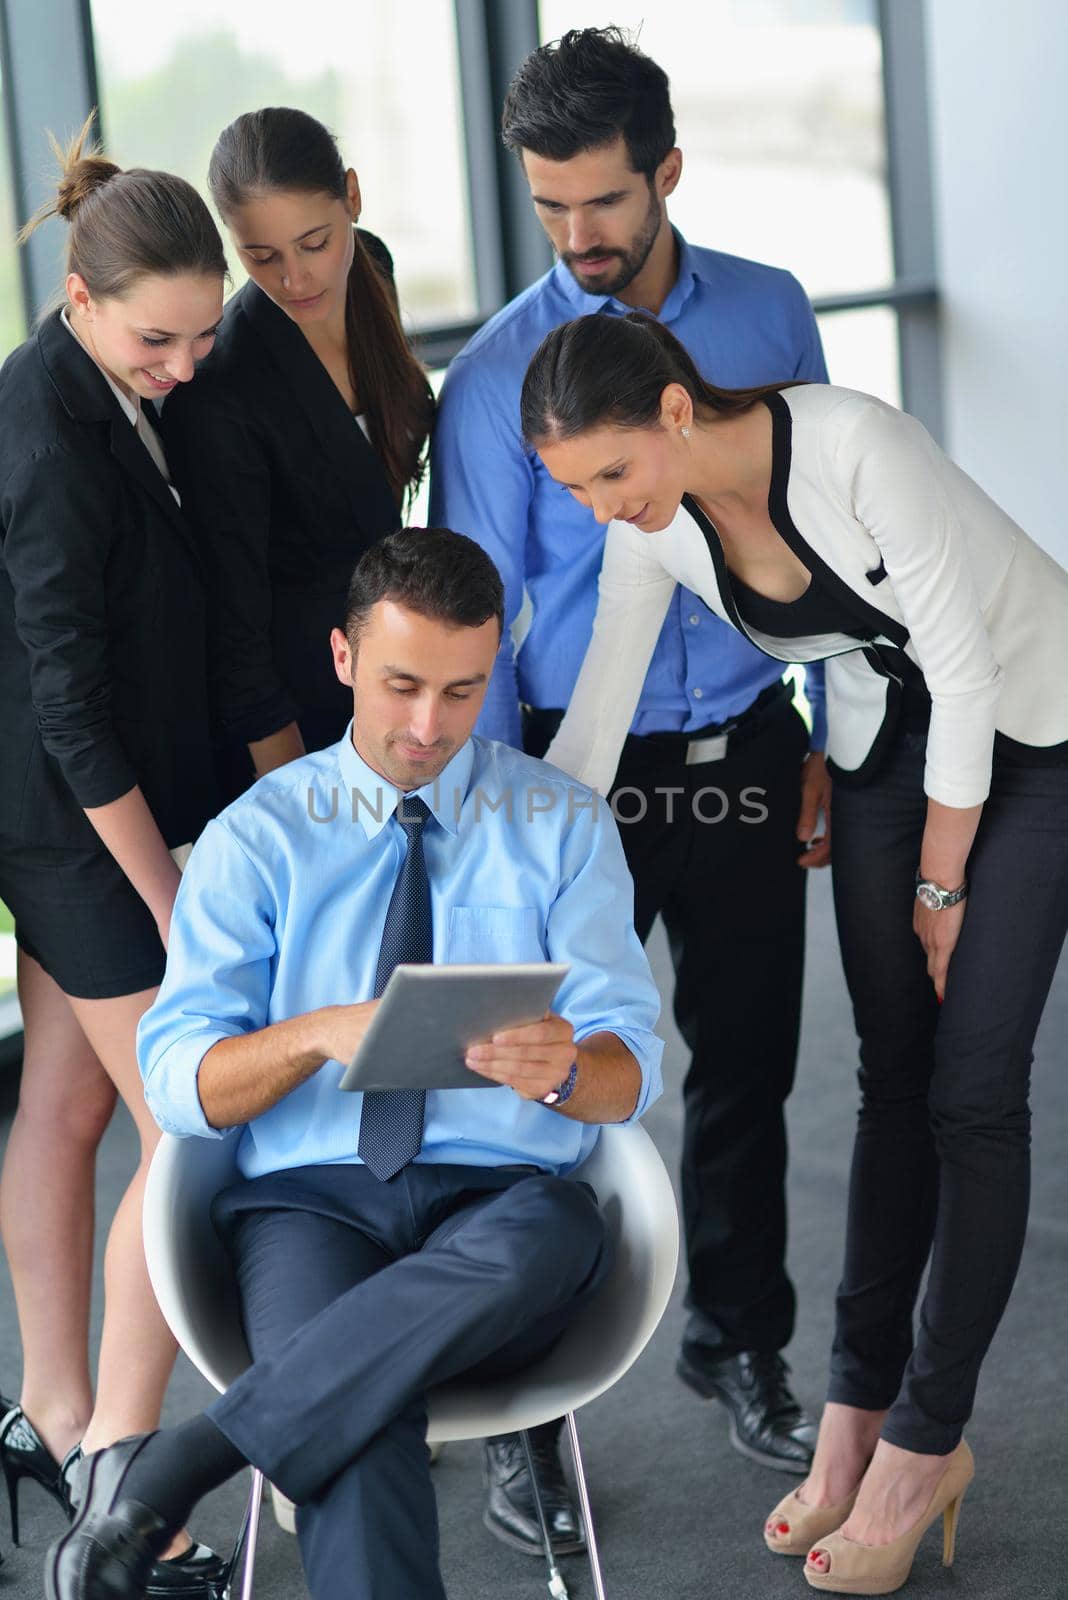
[{"x": 699, "y": 751}]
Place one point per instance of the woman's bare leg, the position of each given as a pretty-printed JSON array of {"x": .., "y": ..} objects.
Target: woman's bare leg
[
  {"x": 137, "y": 1349},
  {"x": 46, "y": 1206},
  {"x": 847, "y": 1440}
]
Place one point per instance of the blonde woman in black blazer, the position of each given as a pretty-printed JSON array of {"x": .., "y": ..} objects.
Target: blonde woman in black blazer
[
  {"x": 303, "y": 434},
  {"x": 106, "y": 774},
  {"x": 825, "y": 524}
]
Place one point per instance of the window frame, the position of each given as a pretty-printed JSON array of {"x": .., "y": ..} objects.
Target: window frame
[{"x": 49, "y": 68}]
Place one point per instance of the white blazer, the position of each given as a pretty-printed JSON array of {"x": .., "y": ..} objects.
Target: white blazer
[{"x": 920, "y": 559}]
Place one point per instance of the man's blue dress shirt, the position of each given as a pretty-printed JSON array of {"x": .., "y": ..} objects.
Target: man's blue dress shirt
[
  {"x": 281, "y": 911},
  {"x": 744, "y": 324}
]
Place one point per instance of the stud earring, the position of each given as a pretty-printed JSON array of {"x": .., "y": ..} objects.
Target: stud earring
[{"x": 685, "y": 432}]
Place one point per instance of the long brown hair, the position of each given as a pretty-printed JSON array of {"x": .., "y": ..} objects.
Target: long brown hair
[
  {"x": 603, "y": 369},
  {"x": 282, "y": 149},
  {"x": 127, "y": 225}
]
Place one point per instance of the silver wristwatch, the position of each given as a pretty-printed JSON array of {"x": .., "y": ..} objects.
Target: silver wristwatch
[{"x": 935, "y": 898}]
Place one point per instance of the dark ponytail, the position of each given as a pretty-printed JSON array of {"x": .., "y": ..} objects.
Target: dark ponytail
[
  {"x": 603, "y": 369},
  {"x": 392, "y": 385},
  {"x": 127, "y": 225},
  {"x": 282, "y": 149}
]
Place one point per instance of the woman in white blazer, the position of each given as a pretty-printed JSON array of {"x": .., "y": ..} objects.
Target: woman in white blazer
[{"x": 826, "y": 525}]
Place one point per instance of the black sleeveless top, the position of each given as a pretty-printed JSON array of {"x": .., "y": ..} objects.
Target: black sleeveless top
[{"x": 816, "y": 611}]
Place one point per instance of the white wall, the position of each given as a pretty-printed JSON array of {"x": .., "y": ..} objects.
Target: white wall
[{"x": 998, "y": 79}]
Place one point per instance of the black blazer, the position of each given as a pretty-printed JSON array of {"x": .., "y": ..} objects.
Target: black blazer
[
  {"x": 102, "y": 614},
  {"x": 287, "y": 494}
]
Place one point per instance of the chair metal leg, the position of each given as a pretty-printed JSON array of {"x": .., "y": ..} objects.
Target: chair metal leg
[
  {"x": 557, "y": 1586},
  {"x": 587, "y": 1514},
  {"x": 226, "y": 1589},
  {"x": 255, "y": 1503}
]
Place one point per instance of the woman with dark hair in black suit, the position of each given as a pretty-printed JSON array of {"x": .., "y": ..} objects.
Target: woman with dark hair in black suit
[
  {"x": 304, "y": 433},
  {"x": 106, "y": 774}
]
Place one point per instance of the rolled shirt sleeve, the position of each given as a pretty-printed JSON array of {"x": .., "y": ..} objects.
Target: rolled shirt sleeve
[
  {"x": 218, "y": 979},
  {"x": 609, "y": 988}
]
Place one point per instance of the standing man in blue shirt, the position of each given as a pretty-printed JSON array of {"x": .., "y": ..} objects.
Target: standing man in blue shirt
[
  {"x": 383, "y": 1242},
  {"x": 590, "y": 119}
]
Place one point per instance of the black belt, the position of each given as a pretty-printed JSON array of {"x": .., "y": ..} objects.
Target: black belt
[{"x": 709, "y": 743}]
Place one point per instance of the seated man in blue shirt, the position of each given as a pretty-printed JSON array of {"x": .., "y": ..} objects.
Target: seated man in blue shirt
[
  {"x": 383, "y": 1243},
  {"x": 590, "y": 119}
]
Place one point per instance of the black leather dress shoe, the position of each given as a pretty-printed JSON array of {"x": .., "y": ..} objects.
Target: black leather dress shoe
[
  {"x": 766, "y": 1421},
  {"x": 109, "y": 1551},
  {"x": 197, "y": 1574},
  {"x": 510, "y": 1510}
]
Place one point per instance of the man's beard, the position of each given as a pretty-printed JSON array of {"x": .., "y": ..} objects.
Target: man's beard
[{"x": 631, "y": 261}]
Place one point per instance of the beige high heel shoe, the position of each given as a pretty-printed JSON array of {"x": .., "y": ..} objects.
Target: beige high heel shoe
[
  {"x": 882, "y": 1568},
  {"x": 804, "y": 1524}
]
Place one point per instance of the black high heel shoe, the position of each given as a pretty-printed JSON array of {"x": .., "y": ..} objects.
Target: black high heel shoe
[{"x": 24, "y": 1454}]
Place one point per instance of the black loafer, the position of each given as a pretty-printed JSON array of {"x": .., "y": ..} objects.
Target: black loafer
[
  {"x": 767, "y": 1423},
  {"x": 109, "y": 1551},
  {"x": 197, "y": 1574},
  {"x": 510, "y": 1511}
]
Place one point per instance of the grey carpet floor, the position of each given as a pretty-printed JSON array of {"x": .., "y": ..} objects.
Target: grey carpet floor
[{"x": 679, "y": 1512}]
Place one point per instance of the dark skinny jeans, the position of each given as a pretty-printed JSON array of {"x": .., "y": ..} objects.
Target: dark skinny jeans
[{"x": 941, "y": 1163}]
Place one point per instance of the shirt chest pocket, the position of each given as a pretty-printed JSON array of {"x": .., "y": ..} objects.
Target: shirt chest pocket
[{"x": 494, "y": 933}]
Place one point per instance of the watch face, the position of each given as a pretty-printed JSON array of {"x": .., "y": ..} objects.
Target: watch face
[{"x": 929, "y": 897}]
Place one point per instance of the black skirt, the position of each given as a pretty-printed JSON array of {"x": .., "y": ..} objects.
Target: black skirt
[{"x": 80, "y": 918}]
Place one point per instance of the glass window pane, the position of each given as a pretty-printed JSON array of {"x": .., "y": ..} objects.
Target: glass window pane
[
  {"x": 383, "y": 77},
  {"x": 862, "y": 351},
  {"x": 12, "y": 322},
  {"x": 780, "y": 117}
]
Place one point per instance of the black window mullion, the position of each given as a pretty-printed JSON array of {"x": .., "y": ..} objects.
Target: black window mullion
[
  {"x": 49, "y": 83},
  {"x": 510, "y": 249}
]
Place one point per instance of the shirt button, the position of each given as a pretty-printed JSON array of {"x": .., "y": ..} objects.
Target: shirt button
[
  {"x": 698, "y": 694},
  {"x": 694, "y": 619}
]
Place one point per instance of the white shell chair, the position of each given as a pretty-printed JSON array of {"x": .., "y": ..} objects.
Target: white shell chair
[{"x": 194, "y": 1284}]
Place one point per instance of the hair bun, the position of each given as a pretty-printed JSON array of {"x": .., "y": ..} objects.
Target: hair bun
[{"x": 79, "y": 179}]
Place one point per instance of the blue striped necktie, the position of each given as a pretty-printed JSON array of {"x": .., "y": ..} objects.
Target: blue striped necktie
[{"x": 391, "y": 1122}]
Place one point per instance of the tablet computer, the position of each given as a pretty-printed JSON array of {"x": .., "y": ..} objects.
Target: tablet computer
[{"x": 429, "y": 1015}]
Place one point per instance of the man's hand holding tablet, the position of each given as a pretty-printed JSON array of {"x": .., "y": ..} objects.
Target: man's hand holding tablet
[
  {"x": 342, "y": 1028},
  {"x": 431, "y": 1018},
  {"x": 534, "y": 1060}
]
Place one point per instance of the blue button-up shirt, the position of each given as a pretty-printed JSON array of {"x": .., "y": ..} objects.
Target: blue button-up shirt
[
  {"x": 281, "y": 911},
  {"x": 744, "y": 324}
]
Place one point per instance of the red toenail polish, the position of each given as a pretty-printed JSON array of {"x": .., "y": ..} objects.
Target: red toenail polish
[{"x": 783, "y": 1527}]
